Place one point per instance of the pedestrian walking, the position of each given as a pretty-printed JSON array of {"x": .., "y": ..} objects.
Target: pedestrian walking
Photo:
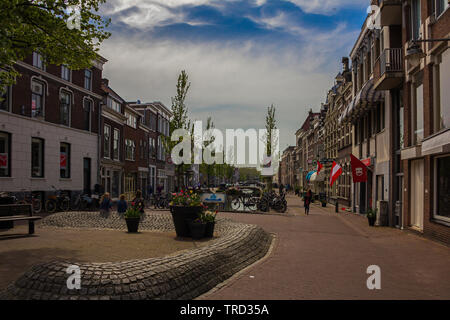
[
  {"x": 308, "y": 198},
  {"x": 105, "y": 205},
  {"x": 122, "y": 205}
]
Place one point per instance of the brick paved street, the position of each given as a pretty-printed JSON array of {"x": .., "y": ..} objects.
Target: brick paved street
[{"x": 325, "y": 256}]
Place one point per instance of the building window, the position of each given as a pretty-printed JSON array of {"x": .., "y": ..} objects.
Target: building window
[
  {"x": 88, "y": 79},
  {"x": 417, "y": 110},
  {"x": 441, "y": 6},
  {"x": 113, "y": 104},
  {"x": 4, "y": 98},
  {"x": 38, "y": 62},
  {"x": 131, "y": 120},
  {"x": 116, "y": 144},
  {"x": 64, "y": 161},
  {"x": 65, "y": 100},
  {"x": 5, "y": 154},
  {"x": 87, "y": 109},
  {"x": 416, "y": 19},
  {"x": 65, "y": 73},
  {"x": 442, "y": 94},
  {"x": 37, "y": 158},
  {"x": 107, "y": 141},
  {"x": 130, "y": 150},
  {"x": 37, "y": 99},
  {"x": 152, "y": 148},
  {"x": 442, "y": 185}
]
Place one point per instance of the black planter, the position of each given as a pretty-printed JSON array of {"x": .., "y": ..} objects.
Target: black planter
[
  {"x": 324, "y": 204},
  {"x": 372, "y": 221},
  {"x": 132, "y": 224},
  {"x": 209, "y": 230},
  {"x": 197, "y": 230},
  {"x": 182, "y": 214}
]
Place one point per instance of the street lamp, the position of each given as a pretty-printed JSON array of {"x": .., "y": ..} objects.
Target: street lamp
[{"x": 415, "y": 52}]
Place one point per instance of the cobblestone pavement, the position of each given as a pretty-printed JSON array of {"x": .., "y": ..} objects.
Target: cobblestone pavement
[
  {"x": 325, "y": 256},
  {"x": 185, "y": 275}
]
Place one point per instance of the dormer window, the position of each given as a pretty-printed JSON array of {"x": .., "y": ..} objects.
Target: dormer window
[{"x": 38, "y": 62}]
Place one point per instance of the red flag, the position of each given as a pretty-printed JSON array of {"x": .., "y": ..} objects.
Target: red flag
[
  {"x": 336, "y": 171},
  {"x": 359, "y": 170},
  {"x": 319, "y": 167}
]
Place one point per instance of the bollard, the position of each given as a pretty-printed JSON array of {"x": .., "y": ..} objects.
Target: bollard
[{"x": 337, "y": 206}]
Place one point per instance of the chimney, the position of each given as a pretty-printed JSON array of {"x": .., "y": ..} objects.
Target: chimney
[
  {"x": 345, "y": 64},
  {"x": 105, "y": 82}
]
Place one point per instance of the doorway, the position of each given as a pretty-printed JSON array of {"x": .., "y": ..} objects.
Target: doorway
[
  {"x": 417, "y": 194},
  {"x": 87, "y": 176}
]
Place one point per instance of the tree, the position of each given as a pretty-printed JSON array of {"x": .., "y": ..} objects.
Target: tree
[
  {"x": 209, "y": 169},
  {"x": 270, "y": 125},
  {"x": 179, "y": 121},
  {"x": 45, "y": 26}
]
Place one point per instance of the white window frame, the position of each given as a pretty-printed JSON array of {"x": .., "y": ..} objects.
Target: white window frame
[
  {"x": 447, "y": 5},
  {"x": 70, "y": 94},
  {"x": 90, "y": 79},
  {"x": 118, "y": 144},
  {"x": 109, "y": 141},
  {"x": 44, "y": 91},
  {"x": 63, "y": 68},
  {"x": 90, "y": 112},
  {"x": 38, "y": 56},
  {"x": 436, "y": 215}
]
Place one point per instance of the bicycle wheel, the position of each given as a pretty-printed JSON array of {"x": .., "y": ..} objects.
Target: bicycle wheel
[
  {"x": 236, "y": 204},
  {"x": 65, "y": 205},
  {"x": 50, "y": 206},
  {"x": 76, "y": 205},
  {"x": 251, "y": 204},
  {"x": 37, "y": 205}
]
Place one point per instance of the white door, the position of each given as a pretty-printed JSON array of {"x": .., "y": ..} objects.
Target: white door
[{"x": 417, "y": 194}]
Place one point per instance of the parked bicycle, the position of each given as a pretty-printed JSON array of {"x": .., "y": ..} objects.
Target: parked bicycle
[
  {"x": 84, "y": 202},
  {"x": 60, "y": 201},
  {"x": 161, "y": 201},
  {"x": 246, "y": 201},
  {"x": 31, "y": 198}
]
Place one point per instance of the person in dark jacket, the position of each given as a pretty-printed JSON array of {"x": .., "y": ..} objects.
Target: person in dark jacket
[
  {"x": 308, "y": 199},
  {"x": 105, "y": 204},
  {"x": 122, "y": 205}
]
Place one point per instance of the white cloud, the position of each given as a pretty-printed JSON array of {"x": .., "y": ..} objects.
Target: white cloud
[
  {"x": 229, "y": 82},
  {"x": 327, "y": 6}
]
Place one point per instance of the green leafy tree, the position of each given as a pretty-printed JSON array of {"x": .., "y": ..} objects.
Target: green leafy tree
[
  {"x": 209, "y": 170},
  {"x": 270, "y": 125},
  {"x": 45, "y": 26},
  {"x": 179, "y": 121}
]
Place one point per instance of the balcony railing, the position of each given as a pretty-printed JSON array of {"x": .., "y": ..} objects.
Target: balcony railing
[{"x": 391, "y": 60}]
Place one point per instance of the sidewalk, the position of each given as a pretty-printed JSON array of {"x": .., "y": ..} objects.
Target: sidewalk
[{"x": 325, "y": 256}]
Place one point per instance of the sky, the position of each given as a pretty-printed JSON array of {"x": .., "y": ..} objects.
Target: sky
[{"x": 241, "y": 55}]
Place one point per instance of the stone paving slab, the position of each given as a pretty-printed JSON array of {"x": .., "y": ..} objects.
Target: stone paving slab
[{"x": 182, "y": 276}]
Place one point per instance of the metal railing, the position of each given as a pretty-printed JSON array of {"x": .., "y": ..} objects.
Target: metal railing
[{"x": 391, "y": 60}]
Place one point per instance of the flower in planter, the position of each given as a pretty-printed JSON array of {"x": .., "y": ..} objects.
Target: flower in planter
[
  {"x": 208, "y": 216},
  {"x": 184, "y": 199},
  {"x": 132, "y": 213}
]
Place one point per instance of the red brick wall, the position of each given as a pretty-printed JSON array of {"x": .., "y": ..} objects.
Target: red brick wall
[{"x": 21, "y": 98}]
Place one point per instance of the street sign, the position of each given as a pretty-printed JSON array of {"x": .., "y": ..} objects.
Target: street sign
[{"x": 213, "y": 197}]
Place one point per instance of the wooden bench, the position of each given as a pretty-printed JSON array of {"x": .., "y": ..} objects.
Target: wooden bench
[{"x": 18, "y": 212}]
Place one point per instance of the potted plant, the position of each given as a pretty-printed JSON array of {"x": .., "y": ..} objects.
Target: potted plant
[
  {"x": 372, "y": 216},
  {"x": 210, "y": 218},
  {"x": 132, "y": 217},
  {"x": 197, "y": 228},
  {"x": 185, "y": 207}
]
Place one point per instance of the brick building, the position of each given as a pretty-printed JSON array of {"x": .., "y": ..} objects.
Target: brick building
[
  {"x": 49, "y": 123},
  {"x": 425, "y": 152},
  {"x": 156, "y": 116},
  {"x": 112, "y": 148}
]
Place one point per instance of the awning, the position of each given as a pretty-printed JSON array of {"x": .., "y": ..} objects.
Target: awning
[{"x": 366, "y": 98}]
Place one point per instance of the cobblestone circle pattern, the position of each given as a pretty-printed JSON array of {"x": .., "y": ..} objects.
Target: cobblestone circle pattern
[{"x": 185, "y": 275}]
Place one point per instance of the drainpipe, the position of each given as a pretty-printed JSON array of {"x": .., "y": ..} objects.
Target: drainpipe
[{"x": 100, "y": 106}]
